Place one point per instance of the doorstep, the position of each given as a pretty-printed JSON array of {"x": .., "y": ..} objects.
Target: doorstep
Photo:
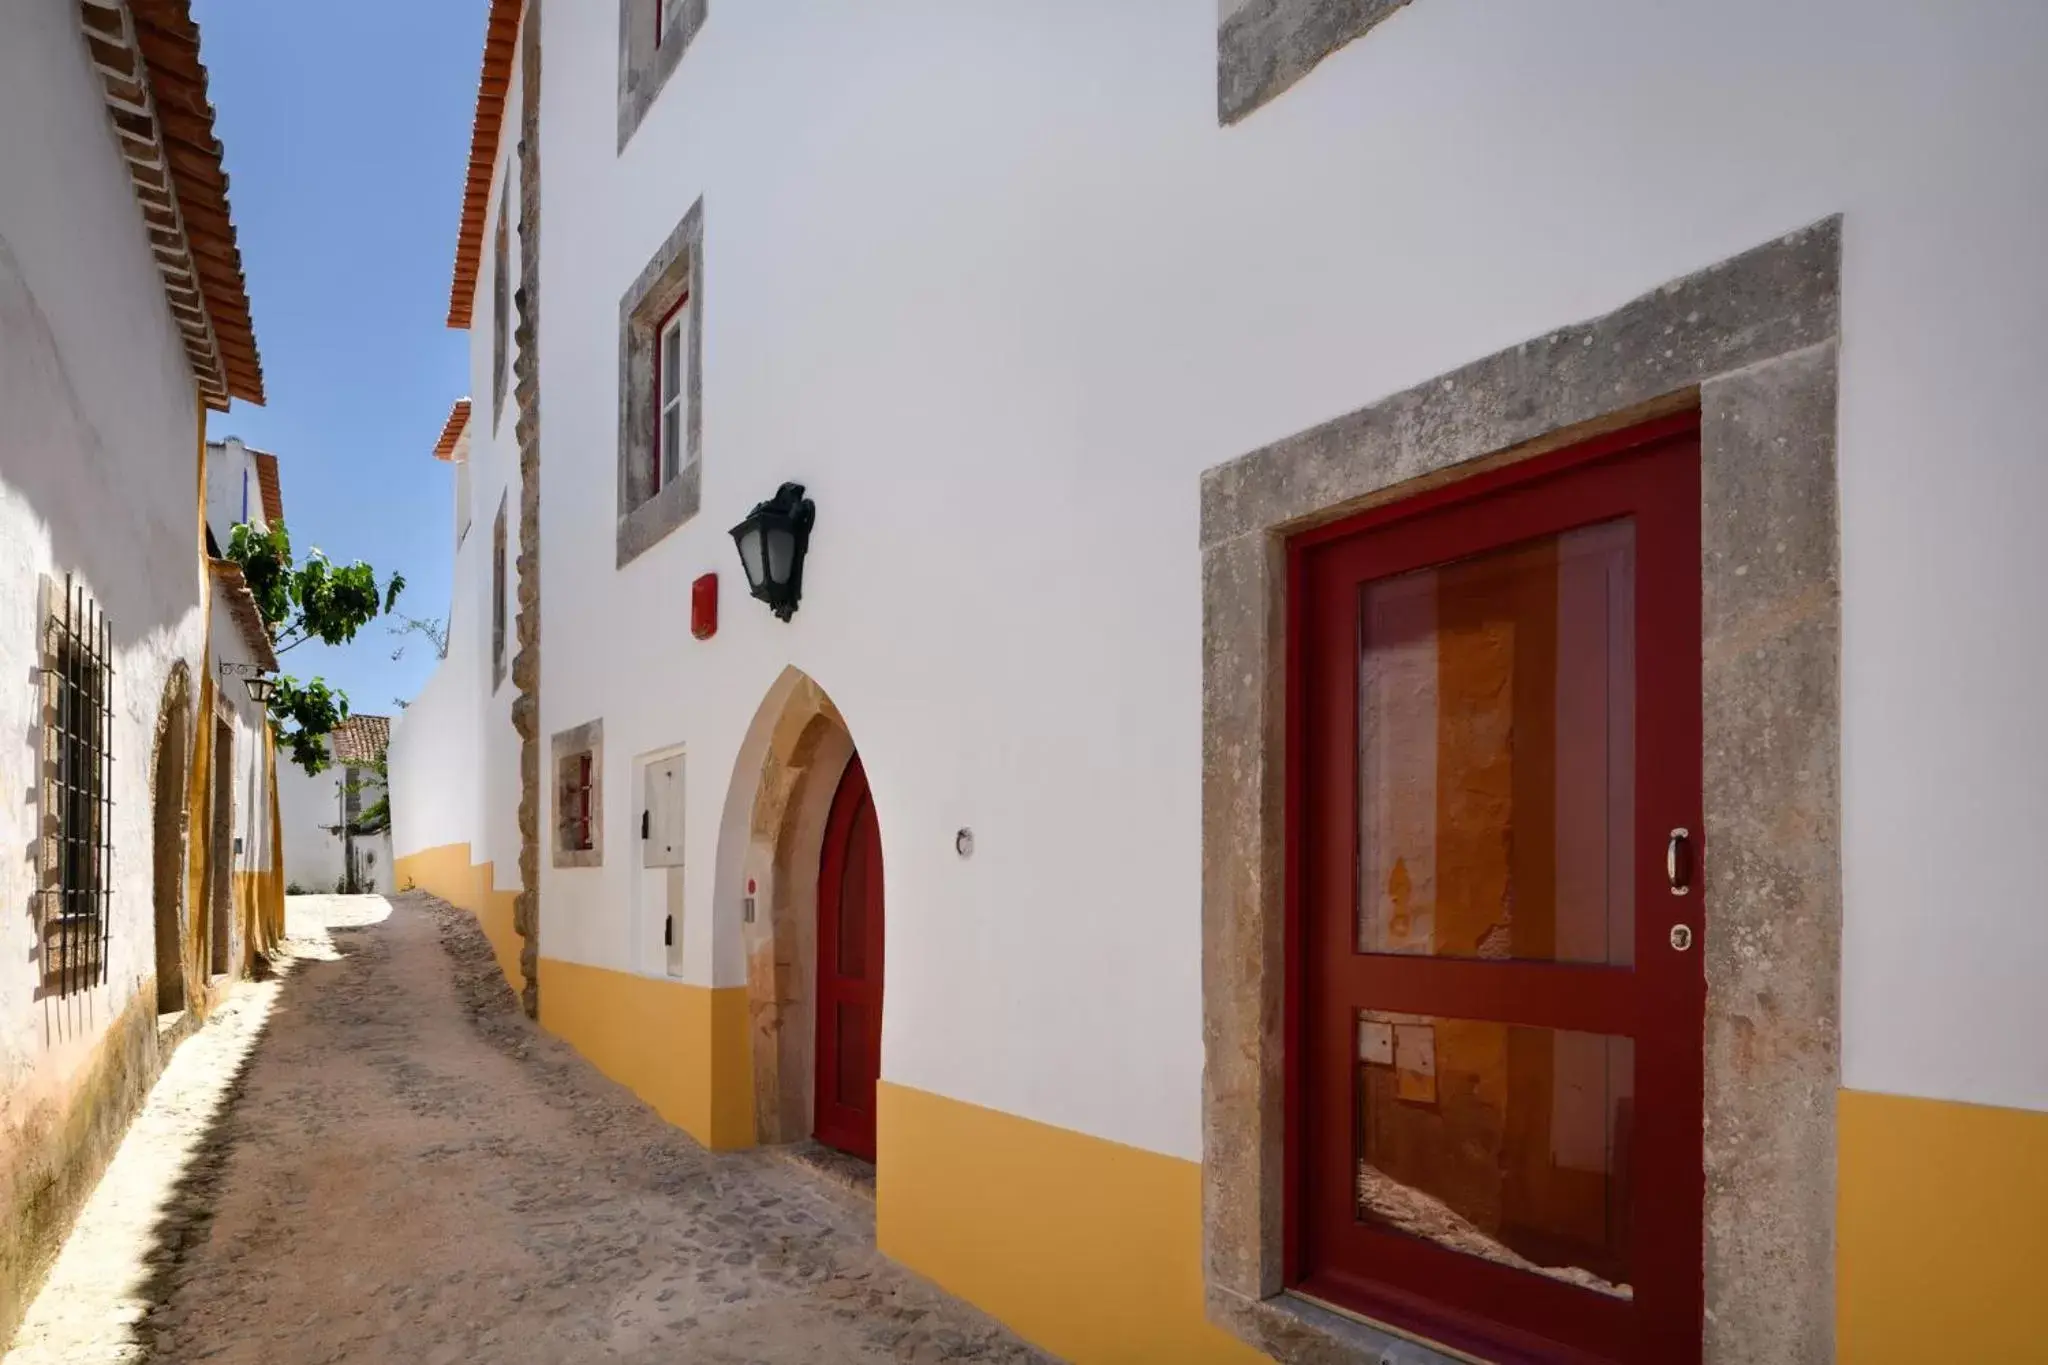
[{"x": 849, "y": 1173}]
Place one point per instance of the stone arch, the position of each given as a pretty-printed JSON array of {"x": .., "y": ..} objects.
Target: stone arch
[
  {"x": 776, "y": 809},
  {"x": 170, "y": 762}
]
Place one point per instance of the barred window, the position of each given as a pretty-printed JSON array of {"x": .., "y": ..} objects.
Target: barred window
[
  {"x": 579, "y": 796},
  {"x": 78, "y": 713},
  {"x": 575, "y": 803}
]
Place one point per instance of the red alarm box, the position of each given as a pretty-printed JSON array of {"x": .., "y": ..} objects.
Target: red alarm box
[{"x": 704, "y": 606}]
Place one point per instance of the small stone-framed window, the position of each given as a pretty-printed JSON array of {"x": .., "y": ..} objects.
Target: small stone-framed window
[
  {"x": 661, "y": 385},
  {"x": 579, "y": 796},
  {"x": 498, "y": 604},
  {"x": 1265, "y": 46},
  {"x": 76, "y": 790},
  {"x": 653, "y": 35},
  {"x": 501, "y": 300}
]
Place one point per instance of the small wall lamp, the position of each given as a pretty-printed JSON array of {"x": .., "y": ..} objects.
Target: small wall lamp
[
  {"x": 254, "y": 677},
  {"x": 773, "y": 541}
]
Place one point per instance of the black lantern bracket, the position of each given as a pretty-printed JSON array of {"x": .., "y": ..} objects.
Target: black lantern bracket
[
  {"x": 773, "y": 541},
  {"x": 255, "y": 677}
]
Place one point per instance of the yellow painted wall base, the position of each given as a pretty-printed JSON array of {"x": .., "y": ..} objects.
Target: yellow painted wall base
[
  {"x": 1091, "y": 1249},
  {"x": 1942, "y": 1232},
  {"x": 255, "y": 894},
  {"x": 447, "y": 872},
  {"x": 681, "y": 1048}
]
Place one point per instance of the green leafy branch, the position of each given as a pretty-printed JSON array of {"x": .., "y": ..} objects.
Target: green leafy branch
[{"x": 317, "y": 600}]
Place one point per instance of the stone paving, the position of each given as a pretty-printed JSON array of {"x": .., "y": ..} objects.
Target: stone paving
[{"x": 376, "y": 1157}]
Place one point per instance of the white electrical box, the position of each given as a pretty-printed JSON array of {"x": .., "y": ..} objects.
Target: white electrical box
[{"x": 663, "y": 824}]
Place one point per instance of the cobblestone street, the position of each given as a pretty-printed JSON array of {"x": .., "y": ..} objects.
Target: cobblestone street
[{"x": 373, "y": 1156}]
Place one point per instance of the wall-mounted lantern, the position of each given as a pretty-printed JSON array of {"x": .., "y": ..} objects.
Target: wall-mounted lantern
[
  {"x": 773, "y": 541},
  {"x": 253, "y": 676}
]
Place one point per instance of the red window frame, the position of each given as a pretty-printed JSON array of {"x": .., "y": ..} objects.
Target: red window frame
[
  {"x": 656, "y": 483},
  {"x": 1652, "y": 474},
  {"x": 580, "y": 834}
]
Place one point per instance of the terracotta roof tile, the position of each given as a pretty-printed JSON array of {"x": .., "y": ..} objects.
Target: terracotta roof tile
[
  {"x": 242, "y": 607},
  {"x": 146, "y": 53},
  {"x": 266, "y": 479},
  {"x": 501, "y": 34},
  {"x": 360, "y": 739},
  {"x": 451, "y": 431}
]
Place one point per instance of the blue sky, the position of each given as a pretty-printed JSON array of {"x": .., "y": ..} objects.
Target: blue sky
[{"x": 346, "y": 130}]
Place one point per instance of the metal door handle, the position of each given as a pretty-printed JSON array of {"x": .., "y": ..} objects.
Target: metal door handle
[{"x": 1678, "y": 862}]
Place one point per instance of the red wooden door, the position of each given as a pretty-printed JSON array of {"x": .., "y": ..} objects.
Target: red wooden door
[
  {"x": 849, "y": 1050},
  {"x": 1497, "y": 991}
]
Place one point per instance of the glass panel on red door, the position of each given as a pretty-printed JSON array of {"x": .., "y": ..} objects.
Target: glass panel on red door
[
  {"x": 1499, "y": 1141},
  {"x": 1497, "y": 754}
]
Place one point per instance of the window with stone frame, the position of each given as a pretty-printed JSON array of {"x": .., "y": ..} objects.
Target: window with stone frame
[
  {"x": 579, "y": 796},
  {"x": 76, "y": 789},
  {"x": 661, "y": 385},
  {"x": 498, "y": 603},
  {"x": 501, "y": 301},
  {"x": 653, "y": 35}
]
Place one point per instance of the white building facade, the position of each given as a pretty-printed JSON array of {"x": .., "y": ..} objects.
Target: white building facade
[
  {"x": 1088, "y": 332},
  {"x": 321, "y": 852},
  {"x": 122, "y": 321}
]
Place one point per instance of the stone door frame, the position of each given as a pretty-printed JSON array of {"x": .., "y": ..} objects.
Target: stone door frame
[
  {"x": 1751, "y": 344},
  {"x": 783, "y": 783}
]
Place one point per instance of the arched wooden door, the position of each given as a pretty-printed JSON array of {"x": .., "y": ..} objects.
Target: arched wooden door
[
  {"x": 849, "y": 976},
  {"x": 167, "y": 827}
]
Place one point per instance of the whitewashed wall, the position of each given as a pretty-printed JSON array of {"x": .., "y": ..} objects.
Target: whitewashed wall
[
  {"x": 992, "y": 282},
  {"x": 309, "y": 806},
  {"x": 233, "y": 492},
  {"x": 454, "y": 757},
  {"x": 251, "y": 819},
  {"x": 98, "y": 473}
]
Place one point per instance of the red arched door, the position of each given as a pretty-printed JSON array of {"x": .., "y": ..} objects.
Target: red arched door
[{"x": 850, "y": 969}]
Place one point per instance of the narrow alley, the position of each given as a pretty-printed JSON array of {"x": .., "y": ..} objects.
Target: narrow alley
[{"x": 374, "y": 1156}]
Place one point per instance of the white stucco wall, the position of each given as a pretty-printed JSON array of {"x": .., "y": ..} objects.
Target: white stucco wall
[
  {"x": 233, "y": 493},
  {"x": 98, "y": 478},
  {"x": 454, "y": 755},
  {"x": 996, "y": 287},
  {"x": 251, "y": 820},
  {"x": 309, "y": 805},
  {"x": 454, "y": 758}
]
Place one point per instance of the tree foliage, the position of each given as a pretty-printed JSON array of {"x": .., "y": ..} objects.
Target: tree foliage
[
  {"x": 374, "y": 818},
  {"x": 304, "y": 714},
  {"x": 435, "y": 629},
  {"x": 317, "y": 600}
]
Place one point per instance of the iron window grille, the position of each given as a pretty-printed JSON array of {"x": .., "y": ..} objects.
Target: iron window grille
[
  {"x": 78, "y": 801},
  {"x": 577, "y": 824}
]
